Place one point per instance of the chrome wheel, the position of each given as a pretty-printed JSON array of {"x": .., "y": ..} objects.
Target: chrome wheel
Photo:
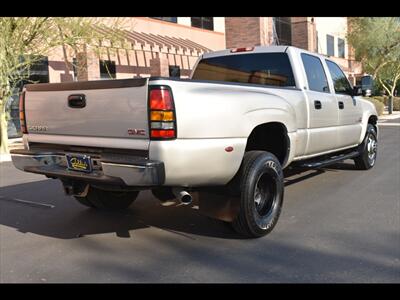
[
  {"x": 367, "y": 150},
  {"x": 372, "y": 147}
]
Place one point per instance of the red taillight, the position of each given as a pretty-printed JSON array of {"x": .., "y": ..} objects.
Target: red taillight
[
  {"x": 244, "y": 49},
  {"x": 22, "y": 112},
  {"x": 160, "y": 99},
  {"x": 163, "y": 133},
  {"x": 162, "y": 113}
]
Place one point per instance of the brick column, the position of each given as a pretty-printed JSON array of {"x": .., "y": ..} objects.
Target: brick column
[
  {"x": 354, "y": 66},
  {"x": 248, "y": 31},
  {"x": 350, "y": 50},
  {"x": 81, "y": 67},
  {"x": 304, "y": 33},
  {"x": 352, "y": 79},
  {"x": 88, "y": 66},
  {"x": 159, "y": 67},
  {"x": 266, "y": 31}
]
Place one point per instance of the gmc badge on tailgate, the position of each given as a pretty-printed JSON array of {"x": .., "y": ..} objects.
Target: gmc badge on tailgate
[{"x": 134, "y": 131}]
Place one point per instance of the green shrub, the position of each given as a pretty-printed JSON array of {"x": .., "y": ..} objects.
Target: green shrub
[
  {"x": 385, "y": 101},
  {"x": 379, "y": 106},
  {"x": 381, "y": 99},
  {"x": 396, "y": 103}
]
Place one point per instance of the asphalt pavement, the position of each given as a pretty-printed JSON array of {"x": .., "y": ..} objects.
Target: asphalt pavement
[{"x": 337, "y": 225}]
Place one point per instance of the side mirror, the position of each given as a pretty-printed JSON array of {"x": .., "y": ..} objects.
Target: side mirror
[{"x": 357, "y": 90}]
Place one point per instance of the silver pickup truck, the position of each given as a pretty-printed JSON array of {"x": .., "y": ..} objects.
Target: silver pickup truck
[{"x": 221, "y": 137}]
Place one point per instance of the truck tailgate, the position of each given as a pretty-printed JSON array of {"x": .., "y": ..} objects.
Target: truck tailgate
[{"x": 95, "y": 112}]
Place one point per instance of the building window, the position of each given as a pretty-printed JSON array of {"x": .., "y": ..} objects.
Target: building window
[
  {"x": 107, "y": 69},
  {"x": 38, "y": 72},
  {"x": 203, "y": 22},
  {"x": 330, "y": 45},
  {"x": 175, "y": 71},
  {"x": 167, "y": 19},
  {"x": 283, "y": 30},
  {"x": 341, "y": 47}
]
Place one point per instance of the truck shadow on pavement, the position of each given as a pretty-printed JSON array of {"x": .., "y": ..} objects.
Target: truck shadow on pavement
[{"x": 41, "y": 208}]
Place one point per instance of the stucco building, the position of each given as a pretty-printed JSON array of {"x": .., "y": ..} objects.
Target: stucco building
[
  {"x": 161, "y": 46},
  {"x": 325, "y": 35},
  {"x": 170, "y": 46}
]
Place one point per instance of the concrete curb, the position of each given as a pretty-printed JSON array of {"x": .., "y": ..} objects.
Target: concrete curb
[
  {"x": 14, "y": 141},
  {"x": 394, "y": 115},
  {"x": 5, "y": 157}
]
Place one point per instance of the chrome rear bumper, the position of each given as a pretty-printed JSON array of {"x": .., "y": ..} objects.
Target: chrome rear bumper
[{"x": 136, "y": 171}]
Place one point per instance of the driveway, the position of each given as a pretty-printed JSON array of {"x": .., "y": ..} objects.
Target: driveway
[{"x": 337, "y": 225}]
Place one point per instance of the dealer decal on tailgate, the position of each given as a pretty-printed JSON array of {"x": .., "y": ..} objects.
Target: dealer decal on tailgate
[{"x": 81, "y": 163}]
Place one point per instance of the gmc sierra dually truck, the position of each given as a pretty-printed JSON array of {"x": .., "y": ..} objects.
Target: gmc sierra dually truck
[{"x": 221, "y": 137}]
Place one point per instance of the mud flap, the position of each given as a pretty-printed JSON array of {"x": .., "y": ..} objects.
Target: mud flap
[{"x": 218, "y": 203}]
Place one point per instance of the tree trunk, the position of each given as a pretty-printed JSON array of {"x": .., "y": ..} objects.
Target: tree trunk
[
  {"x": 391, "y": 97},
  {"x": 3, "y": 133},
  {"x": 390, "y": 104},
  {"x": 390, "y": 88}
]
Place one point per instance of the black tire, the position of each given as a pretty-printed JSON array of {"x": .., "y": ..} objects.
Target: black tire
[
  {"x": 368, "y": 150},
  {"x": 260, "y": 179},
  {"x": 84, "y": 201},
  {"x": 108, "y": 200},
  {"x": 163, "y": 194}
]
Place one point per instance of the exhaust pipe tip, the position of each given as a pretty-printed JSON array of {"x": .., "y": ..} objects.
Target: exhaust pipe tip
[
  {"x": 183, "y": 196},
  {"x": 186, "y": 199}
]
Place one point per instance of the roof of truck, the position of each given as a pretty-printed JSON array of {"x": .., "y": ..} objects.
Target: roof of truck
[{"x": 256, "y": 49}]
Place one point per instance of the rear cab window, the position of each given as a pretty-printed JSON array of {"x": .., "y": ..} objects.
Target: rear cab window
[
  {"x": 269, "y": 69},
  {"x": 316, "y": 77}
]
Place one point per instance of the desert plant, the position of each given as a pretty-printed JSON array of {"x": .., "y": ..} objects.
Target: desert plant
[
  {"x": 24, "y": 40},
  {"x": 385, "y": 101},
  {"x": 396, "y": 103},
  {"x": 379, "y": 106},
  {"x": 381, "y": 99}
]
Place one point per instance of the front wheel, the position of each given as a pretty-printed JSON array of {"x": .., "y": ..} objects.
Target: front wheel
[
  {"x": 368, "y": 150},
  {"x": 261, "y": 194}
]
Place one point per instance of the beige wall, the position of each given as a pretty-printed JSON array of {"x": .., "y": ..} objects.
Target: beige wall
[
  {"x": 219, "y": 23},
  {"x": 335, "y": 26},
  {"x": 214, "y": 40}
]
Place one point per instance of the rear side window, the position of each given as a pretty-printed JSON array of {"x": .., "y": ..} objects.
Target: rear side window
[
  {"x": 258, "y": 68},
  {"x": 340, "y": 82},
  {"x": 316, "y": 76}
]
